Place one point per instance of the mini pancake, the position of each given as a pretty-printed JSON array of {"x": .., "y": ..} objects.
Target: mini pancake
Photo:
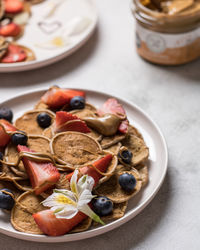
[
  {"x": 134, "y": 131},
  {"x": 15, "y": 191},
  {"x": 28, "y": 122},
  {"x": 94, "y": 134},
  {"x": 114, "y": 149},
  {"x": 14, "y": 173},
  {"x": 83, "y": 226},
  {"x": 48, "y": 132},
  {"x": 109, "y": 141},
  {"x": 11, "y": 156},
  {"x": 138, "y": 148},
  {"x": 3, "y": 45},
  {"x": 63, "y": 182},
  {"x": 2, "y": 8},
  {"x": 75, "y": 149},
  {"x": 41, "y": 105},
  {"x": 111, "y": 168},
  {"x": 113, "y": 190},
  {"x": 21, "y": 216},
  {"x": 118, "y": 212},
  {"x": 39, "y": 144},
  {"x": 88, "y": 111},
  {"x": 144, "y": 174}
]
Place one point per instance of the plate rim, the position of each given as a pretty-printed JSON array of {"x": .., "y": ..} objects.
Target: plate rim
[
  {"x": 114, "y": 224},
  {"x": 35, "y": 64}
]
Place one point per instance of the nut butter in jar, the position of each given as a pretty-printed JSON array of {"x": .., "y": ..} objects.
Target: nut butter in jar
[{"x": 168, "y": 32}]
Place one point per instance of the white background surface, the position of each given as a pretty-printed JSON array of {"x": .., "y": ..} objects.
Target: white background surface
[{"x": 171, "y": 95}]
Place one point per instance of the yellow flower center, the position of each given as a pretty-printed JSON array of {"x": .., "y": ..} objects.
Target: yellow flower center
[
  {"x": 62, "y": 199},
  {"x": 58, "y": 41}
]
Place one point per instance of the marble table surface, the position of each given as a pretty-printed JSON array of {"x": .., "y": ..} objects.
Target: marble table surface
[{"x": 170, "y": 95}]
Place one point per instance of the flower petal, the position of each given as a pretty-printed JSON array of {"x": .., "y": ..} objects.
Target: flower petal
[
  {"x": 65, "y": 192},
  {"x": 85, "y": 182},
  {"x": 50, "y": 201},
  {"x": 73, "y": 182},
  {"x": 58, "y": 199},
  {"x": 88, "y": 211},
  {"x": 67, "y": 212},
  {"x": 85, "y": 197}
]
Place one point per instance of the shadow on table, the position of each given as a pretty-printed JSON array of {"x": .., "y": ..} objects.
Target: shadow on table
[
  {"x": 130, "y": 235},
  {"x": 51, "y": 72},
  {"x": 188, "y": 71}
]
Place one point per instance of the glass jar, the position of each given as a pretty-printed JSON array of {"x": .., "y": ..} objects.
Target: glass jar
[{"x": 165, "y": 38}]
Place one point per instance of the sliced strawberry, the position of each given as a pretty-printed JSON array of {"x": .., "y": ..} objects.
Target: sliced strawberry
[
  {"x": 13, "y": 6},
  {"x": 5, "y": 138},
  {"x": 11, "y": 29},
  {"x": 42, "y": 175},
  {"x": 123, "y": 127},
  {"x": 14, "y": 54},
  {"x": 76, "y": 125},
  {"x": 101, "y": 164},
  {"x": 72, "y": 93},
  {"x": 52, "y": 226},
  {"x": 112, "y": 106},
  {"x": 56, "y": 97},
  {"x": 67, "y": 122}
]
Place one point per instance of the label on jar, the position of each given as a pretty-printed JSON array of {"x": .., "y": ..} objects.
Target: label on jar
[{"x": 170, "y": 49}]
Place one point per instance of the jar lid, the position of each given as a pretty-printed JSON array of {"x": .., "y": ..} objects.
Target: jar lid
[{"x": 177, "y": 22}]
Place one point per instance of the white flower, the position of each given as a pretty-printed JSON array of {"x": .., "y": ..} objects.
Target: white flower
[{"x": 66, "y": 204}]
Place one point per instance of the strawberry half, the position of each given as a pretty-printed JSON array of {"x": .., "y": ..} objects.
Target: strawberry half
[
  {"x": 13, "y": 6},
  {"x": 112, "y": 106},
  {"x": 56, "y": 97},
  {"x": 14, "y": 54},
  {"x": 42, "y": 175},
  {"x": 101, "y": 164},
  {"x": 5, "y": 138},
  {"x": 11, "y": 29},
  {"x": 52, "y": 226},
  {"x": 67, "y": 122}
]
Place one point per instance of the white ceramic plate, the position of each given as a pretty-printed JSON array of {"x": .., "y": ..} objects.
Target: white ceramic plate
[
  {"x": 65, "y": 16},
  {"x": 157, "y": 164}
]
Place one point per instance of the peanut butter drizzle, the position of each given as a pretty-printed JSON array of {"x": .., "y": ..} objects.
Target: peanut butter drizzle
[{"x": 106, "y": 125}]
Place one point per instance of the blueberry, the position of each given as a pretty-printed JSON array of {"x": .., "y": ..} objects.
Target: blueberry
[
  {"x": 127, "y": 182},
  {"x": 126, "y": 156},
  {"x": 6, "y": 113},
  {"x": 78, "y": 102},
  {"x": 19, "y": 139},
  {"x": 44, "y": 120},
  {"x": 102, "y": 205},
  {"x": 1, "y": 158},
  {"x": 6, "y": 200}
]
